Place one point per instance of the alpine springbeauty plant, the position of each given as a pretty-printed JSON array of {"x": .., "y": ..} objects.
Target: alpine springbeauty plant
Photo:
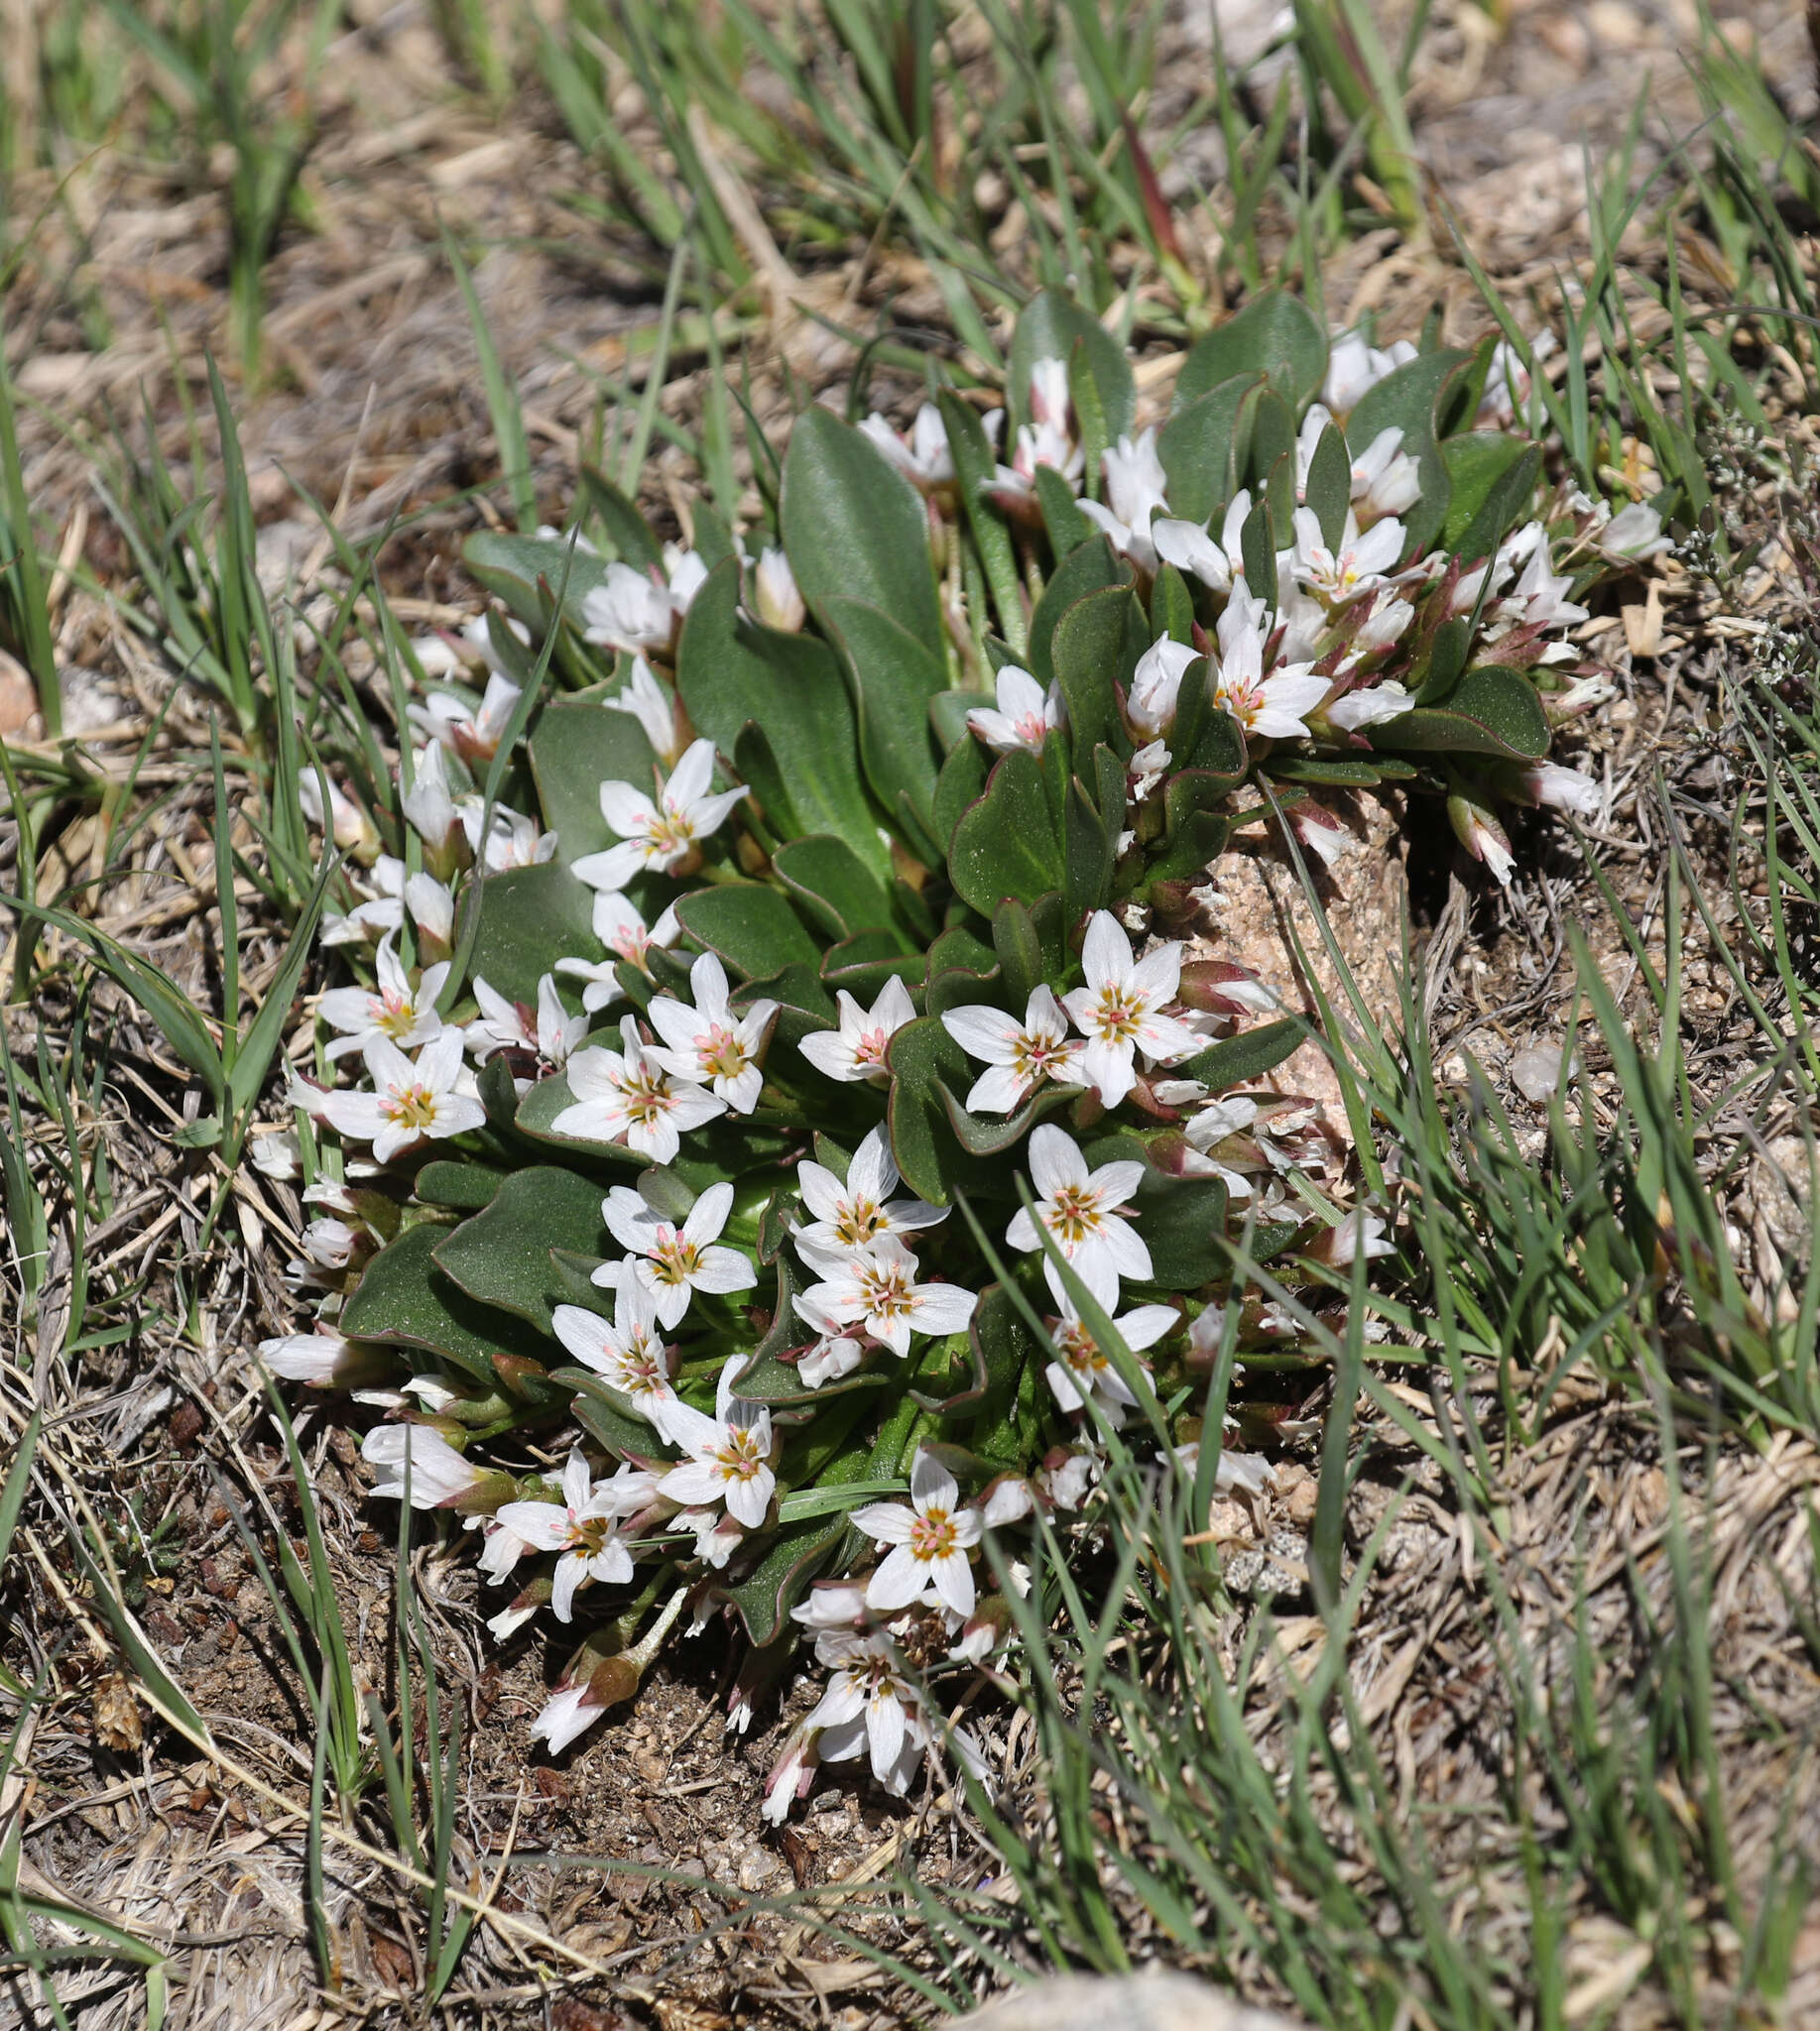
[{"x": 799, "y": 1102}]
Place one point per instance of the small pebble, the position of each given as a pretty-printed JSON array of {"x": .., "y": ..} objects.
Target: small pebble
[{"x": 1538, "y": 1071}]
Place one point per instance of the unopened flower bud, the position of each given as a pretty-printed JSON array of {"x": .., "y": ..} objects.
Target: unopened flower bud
[
  {"x": 328, "y": 1361},
  {"x": 1480, "y": 835},
  {"x": 774, "y": 594},
  {"x": 354, "y": 831}
]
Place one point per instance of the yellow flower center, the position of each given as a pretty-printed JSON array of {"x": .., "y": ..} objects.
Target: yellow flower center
[
  {"x": 739, "y": 1459},
  {"x": 1074, "y": 1214},
  {"x": 1116, "y": 1014},
  {"x": 933, "y": 1536},
  {"x": 410, "y": 1107}
]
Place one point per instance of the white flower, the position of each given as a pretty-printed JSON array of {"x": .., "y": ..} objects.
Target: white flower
[
  {"x": 549, "y": 1032},
  {"x": 409, "y": 1100},
  {"x": 653, "y": 707},
  {"x": 392, "y": 1009},
  {"x": 1382, "y": 629},
  {"x": 1189, "y": 548},
  {"x": 1117, "y": 1012},
  {"x": 831, "y": 1604},
  {"x": 875, "y": 1288},
  {"x": 664, "y": 837},
  {"x": 1360, "y": 565},
  {"x": 856, "y": 1049},
  {"x": 1538, "y": 598},
  {"x": 1027, "y": 714},
  {"x": 279, "y": 1156},
  {"x": 791, "y": 1777},
  {"x": 629, "y": 1095},
  {"x": 428, "y": 803},
  {"x": 1633, "y": 535},
  {"x": 628, "y": 1354},
  {"x": 1148, "y": 767},
  {"x": 1136, "y": 488},
  {"x": 1065, "y": 1483},
  {"x": 622, "y": 930},
  {"x": 673, "y": 1263},
  {"x": 717, "y": 1536},
  {"x": 931, "y": 1540},
  {"x": 1021, "y": 1055},
  {"x": 1085, "y": 1368},
  {"x": 1354, "y": 367},
  {"x": 1509, "y": 382},
  {"x": 329, "y": 1243},
  {"x": 500, "y": 1551},
  {"x": 1371, "y": 707},
  {"x": 729, "y": 1455},
  {"x": 708, "y": 1043},
  {"x": 868, "y": 1706},
  {"x": 1081, "y": 1209},
  {"x": 437, "y": 1473},
  {"x": 1155, "y": 684},
  {"x": 1045, "y": 440},
  {"x": 447, "y": 718},
  {"x": 1008, "y": 1500},
  {"x": 1212, "y": 1125},
  {"x": 775, "y": 595},
  {"x": 922, "y": 454},
  {"x": 687, "y": 574},
  {"x": 1563, "y": 789},
  {"x": 512, "y": 840},
  {"x": 632, "y": 610},
  {"x": 381, "y": 911},
  {"x": 1357, "y": 1234},
  {"x": 568, "y": 1713},
  {"x": 1270, "y": 707},
  {"x": 581, "y": 1527},
  {"x": 834, "y": 1351},
  {"x": 852, "y": 1215},
  {"x": 432, "y": 910},
  {"x": 1385, "y": 479},
  {"x": 1049, "y": 397}
]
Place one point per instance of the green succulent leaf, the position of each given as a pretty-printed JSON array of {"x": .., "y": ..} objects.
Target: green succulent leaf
[
  {"x": 1244, "y": 1059},
  {"x": 1275, "y": 334},
  {"x": 1095, "y": 564},
  {"x": 1006, "y": 843},
  {"x": 1204, "y": 445},
  {"x": 1493, "y": 710},
  {"x": 797, "y": 1553},
  {"x": 530, "y": 917},
  {"x": 1096, "y": 644},
  {"x": 627, "y": 531},
  {"x": 750, "y": 928},
  {"x": 833, "y": 886},
  {"x": 510, "y": 567},
  {"x": 575, "y": 747},
  {"x": 501, "y": 1256},
  {"x": 1050, "y": 329},
  {"x": 404, "y": 1299},
  {"x": 894, "y": 677},
  {"x": 923, "y": 1058},
  {"x": 732, "y": 673},
  {"x": 462, "y": 1187}
]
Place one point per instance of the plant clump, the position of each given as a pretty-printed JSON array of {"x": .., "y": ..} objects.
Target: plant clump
[{"x": 801, "y": 1122}]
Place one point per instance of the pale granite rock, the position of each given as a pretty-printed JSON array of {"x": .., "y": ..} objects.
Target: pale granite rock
[{"x": 1139, "y": 2002}]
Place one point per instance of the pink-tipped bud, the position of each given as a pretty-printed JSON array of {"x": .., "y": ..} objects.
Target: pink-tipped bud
[
  {"x": 1480, "y": 835},
  {"x": 792, "y": 1775}
]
